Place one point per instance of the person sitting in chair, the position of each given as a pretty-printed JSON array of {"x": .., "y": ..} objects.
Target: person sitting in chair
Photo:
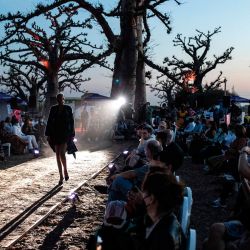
[
  {"x": 162, "y": 194},
  {"x": 30, "y": 139}
]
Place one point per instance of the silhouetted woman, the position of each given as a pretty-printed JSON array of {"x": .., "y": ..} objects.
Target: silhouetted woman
[{"x": 59, "y": 130}]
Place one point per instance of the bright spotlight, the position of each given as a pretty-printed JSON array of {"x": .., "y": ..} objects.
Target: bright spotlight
[
  {"x": 111, "y": 165},
  {"x": 36, "y": 152},
  {"x": 121, "y": 101},
  {"x": 73, "y": 198},
  {"x": 125, "y": 152}
]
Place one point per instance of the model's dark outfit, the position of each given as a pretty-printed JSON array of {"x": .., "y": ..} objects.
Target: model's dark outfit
[{"x": 60, "y": 125}]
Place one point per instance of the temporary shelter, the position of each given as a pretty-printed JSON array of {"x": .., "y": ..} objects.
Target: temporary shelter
[
  {"x": 239, "y": 99},
  {"x": 93, "y": 97}
]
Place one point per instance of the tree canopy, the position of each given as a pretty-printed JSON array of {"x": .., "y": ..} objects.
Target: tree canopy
[
  {"x": 134, "y": 18},
  {"x": 189, "y": 74}
]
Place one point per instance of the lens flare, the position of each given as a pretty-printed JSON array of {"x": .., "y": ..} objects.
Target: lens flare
[
  {"x": 121, "y": 101},
  {"x": 125, "y": 152},
  {"x": 36, "y": 152},
  {"x": 111, "y": 165},
  {"x": 73, "y": 197}
]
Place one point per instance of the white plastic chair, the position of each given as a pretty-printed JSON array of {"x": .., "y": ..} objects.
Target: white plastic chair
[
  {"x": 191, "y": 240},
  {"x": 185, "y": 215},
  {"x": 189, "y": 195},
  {"x": 177, "y": 177}
]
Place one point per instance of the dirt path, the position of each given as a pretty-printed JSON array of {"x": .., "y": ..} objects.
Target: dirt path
[
  {"x": 32, "y": 185},
  {"x": 25, "y": 185}
]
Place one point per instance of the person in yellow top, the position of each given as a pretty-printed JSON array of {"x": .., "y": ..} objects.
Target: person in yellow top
[{"x": 182, "y": 113}]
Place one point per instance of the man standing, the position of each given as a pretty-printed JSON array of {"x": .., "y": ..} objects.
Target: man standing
[{"x": 84, "y": 118}]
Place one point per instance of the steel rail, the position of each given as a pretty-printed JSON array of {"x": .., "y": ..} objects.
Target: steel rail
[{"x": 53, "y": 208}]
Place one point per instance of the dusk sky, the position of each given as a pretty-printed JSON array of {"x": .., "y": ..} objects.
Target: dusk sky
[{"x": 204, "y": 15}]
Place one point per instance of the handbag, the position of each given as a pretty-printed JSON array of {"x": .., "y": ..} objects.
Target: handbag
[{"x": 71, "y": 147}]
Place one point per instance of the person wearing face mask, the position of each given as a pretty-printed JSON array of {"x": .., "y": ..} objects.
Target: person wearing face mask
[{"x": 162, "y": 194}]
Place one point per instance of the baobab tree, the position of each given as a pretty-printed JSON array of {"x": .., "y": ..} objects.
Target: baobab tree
[
  {"x": 50, "y": 51},
  {"x": 134, "y": 16},
  {"x": 30, "y": 83},
  {"x": 189, "y": 74},
  {"x": 25, "y": 82},
  {"x": 165, "y": 90}
]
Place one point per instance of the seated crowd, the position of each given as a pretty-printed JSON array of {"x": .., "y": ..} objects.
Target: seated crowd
[
  {"x": 144, "y": 197},
  {"x": 223, "y": 150},
  {"x": 22, "y": 136},
  {"x": 234, "y": 233}
]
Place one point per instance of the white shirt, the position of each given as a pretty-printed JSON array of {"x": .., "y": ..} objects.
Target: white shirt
[{"x": 17, "y": 130}]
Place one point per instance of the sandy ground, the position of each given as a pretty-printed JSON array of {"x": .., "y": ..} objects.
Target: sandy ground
[{"x": 30, "y": 185}]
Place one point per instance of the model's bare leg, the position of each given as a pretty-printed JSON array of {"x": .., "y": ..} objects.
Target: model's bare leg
[
  {"x": 64, "y": 160},
  {"x": 58, "y": 159}
]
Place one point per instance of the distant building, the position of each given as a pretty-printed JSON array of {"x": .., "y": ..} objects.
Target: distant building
[
  {"x": 93, "y": 97},
  {"x": 88, "y": 99}
]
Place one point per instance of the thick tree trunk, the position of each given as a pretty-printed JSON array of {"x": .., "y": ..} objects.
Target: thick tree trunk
[
  {"x": 198, "y": 83},
  {"x": 33, "y": 98},
  {"x": 52, "y": 91},
  {"x": 140, "y": 91},
  {"x": 116, "y": 76},
  {"x": 169, "y": 97},
  {"x": 124, "y": 77}
]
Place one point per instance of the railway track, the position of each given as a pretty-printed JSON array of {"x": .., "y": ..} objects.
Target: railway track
[{"x": 52, "y": 223}]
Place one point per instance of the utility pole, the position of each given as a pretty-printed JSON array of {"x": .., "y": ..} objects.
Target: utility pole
[
  {"x": 225, "y": 94},
  {"x": 225, "y": 86}
]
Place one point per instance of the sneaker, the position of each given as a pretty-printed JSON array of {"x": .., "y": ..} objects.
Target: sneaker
[{"x": 218, "y": 203}]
